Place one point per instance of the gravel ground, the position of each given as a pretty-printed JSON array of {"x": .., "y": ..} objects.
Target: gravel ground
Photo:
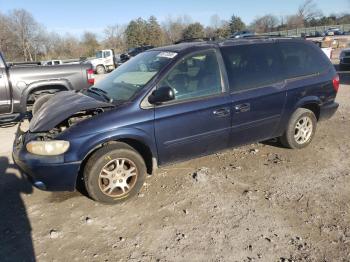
[{"x": 259, "y": 202}]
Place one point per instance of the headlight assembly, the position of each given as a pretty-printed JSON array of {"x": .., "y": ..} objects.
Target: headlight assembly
[{"x": 48, "y": 148}]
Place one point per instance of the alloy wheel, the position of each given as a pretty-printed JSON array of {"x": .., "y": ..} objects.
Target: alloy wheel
[
  {"x": 303, "y": 130},
  {"x": 118, "y": 177}
]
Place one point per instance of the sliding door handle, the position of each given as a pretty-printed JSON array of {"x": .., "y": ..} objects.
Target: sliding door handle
[
  {"x": 242, "y": 108},
  {"x": 222, "y": 112}
]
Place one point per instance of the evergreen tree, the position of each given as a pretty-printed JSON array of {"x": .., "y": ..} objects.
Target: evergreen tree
[
  {"x": 136, "y": 33},
  {"x": 155, "y": 35},
  {"x": 195, "y": 30},
  {"x": 236, "y": 24}
]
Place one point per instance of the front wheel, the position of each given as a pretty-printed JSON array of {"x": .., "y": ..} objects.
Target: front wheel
[
  {"x": 114, "y": 173},
  {"x": 100, "y": 70},
  {"x": 300, "y": 130}
]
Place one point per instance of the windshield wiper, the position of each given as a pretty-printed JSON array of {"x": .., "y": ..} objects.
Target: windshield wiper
[{"x": 101, "y": 93}]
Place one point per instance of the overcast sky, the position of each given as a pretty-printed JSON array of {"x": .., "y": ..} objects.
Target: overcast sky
[{"x": 77, "y": 16}]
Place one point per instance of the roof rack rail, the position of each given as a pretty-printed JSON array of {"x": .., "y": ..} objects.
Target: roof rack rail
[
  {"x": 197, "y": 39},
  {"x": 265, "y": 36}
]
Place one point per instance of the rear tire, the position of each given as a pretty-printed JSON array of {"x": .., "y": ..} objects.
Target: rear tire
[
  {"x": 300, "y": 130},
  {"x": 115, "y": 173},
  {"x": 39, "y": 102},
  {"x": 100, "y": 70}
]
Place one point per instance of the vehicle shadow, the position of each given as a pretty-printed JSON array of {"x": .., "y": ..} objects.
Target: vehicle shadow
[
  {"x": 15, "y": 230},
  {"x": 275, "y": 142}
]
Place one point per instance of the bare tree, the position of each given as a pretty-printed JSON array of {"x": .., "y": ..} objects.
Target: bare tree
[
  {"x": 90, "y": 43},
  {"x": 8, "y": 41},
  {"x": 173, "y": 28},
  {"x": 295, "y": 21},
  {"x": 26, "y": 30},
  {"x": 215, "y": 22},
  {"x": 114, "y": 37},
  {"x": 309, "y": 10},
  {"x": 265, "y": 23}
]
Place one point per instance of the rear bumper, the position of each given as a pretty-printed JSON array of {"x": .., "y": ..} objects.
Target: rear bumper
[
  {"x": 45, "y": 173},
  {"x": 327, "y": 111}
]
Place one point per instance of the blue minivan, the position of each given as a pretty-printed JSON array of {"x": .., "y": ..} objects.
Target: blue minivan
[{"x": 175, "y": 103}]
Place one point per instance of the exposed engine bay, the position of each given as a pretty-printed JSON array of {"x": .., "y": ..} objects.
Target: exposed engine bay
[
  {"x": 64, "y": 110},
  {"x": 75, "y": 119},
  {"x": 61, "y": 127}
]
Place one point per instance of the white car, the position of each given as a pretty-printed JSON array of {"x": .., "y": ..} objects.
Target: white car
[{"x": 52, "y": 62}]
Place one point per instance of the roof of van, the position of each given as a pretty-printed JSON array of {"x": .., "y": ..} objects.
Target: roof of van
[
  {"x": 184, "y": 46},
  {"x": 178, "y": 48}
]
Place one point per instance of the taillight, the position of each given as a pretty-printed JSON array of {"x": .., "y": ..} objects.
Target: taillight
[
  {"x": 336, "y": 83},
  {"x": 90, "y": 76}
]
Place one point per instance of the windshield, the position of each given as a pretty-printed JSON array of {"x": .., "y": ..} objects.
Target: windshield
[
  {"x": 99, "y": 54},
  {"x": 124, "y": 82}
]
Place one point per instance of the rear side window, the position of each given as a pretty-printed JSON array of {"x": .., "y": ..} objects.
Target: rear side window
[
  {"x": 252, "y": 66},
  {"x": 300, "y": 59}
]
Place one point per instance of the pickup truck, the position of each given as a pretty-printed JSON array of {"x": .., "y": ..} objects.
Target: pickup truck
[{"x": 22, "y": 85}]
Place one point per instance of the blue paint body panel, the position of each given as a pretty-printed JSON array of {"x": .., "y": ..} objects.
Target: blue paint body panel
[{"x": 182, "y": 130}]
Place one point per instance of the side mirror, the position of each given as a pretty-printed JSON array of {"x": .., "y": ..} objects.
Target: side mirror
[{"x": 162, "y": 94}]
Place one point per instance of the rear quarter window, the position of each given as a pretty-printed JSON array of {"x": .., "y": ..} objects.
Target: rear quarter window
[
  {"x": 252, "y": 66},
  {"x": 302, "y": 59}
]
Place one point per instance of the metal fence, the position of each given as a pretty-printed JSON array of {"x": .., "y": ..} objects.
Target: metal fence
[{"x": 310, "y": 30}]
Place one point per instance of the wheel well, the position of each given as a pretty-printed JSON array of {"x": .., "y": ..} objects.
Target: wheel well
[
  {"x": 140, "y": 147},
  {"x": 143, "y": 150},
  {"x": 315, "y": 108},
  {"x": 49, "y": 89}
]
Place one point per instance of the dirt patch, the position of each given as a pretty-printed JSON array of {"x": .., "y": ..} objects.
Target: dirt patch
[{"x": 259, "y": 202}]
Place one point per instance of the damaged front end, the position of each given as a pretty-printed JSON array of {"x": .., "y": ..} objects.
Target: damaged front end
[
  {"x": 73, "y": 120},
  {"x": 66, "y": 109},
  {"x": 42, "y": 148},
  {"x": 37, "y": 142},
  {"x": 60, "y": 113}
]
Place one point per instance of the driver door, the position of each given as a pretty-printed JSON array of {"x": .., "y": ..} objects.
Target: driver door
[{"x": 198, "y": 121}]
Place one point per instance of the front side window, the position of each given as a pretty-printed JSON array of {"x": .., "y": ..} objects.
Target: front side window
[
  {"x": 252, "y": 66},
  {"x": 129, "y": 78},
  {"x": 197, "y": 75}
]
